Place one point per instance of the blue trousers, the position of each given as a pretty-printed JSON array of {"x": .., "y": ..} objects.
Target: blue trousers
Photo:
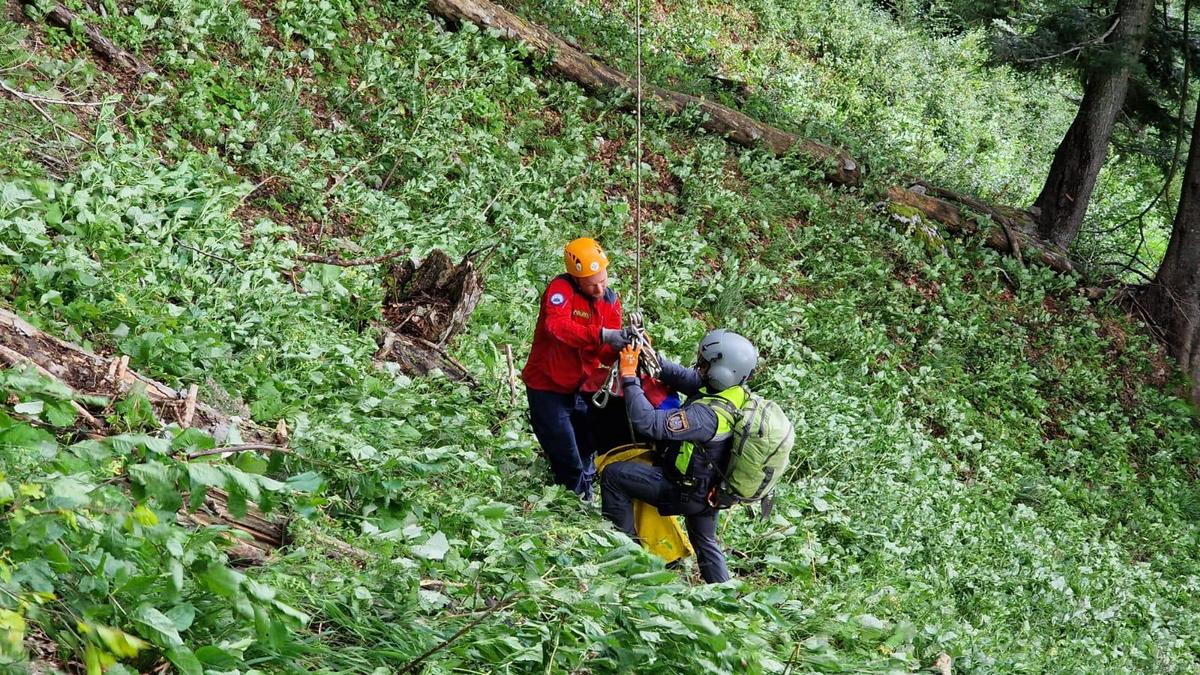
[
  {"x": 623, "y": 482},
  {"x": 560, "y": 422}
]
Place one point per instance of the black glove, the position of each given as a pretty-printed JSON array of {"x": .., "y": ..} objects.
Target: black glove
[{"x": 614, "y": 337}]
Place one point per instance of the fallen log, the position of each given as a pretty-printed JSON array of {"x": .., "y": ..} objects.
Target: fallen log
[
  {"x": 66, "y": 19},
  {"x": 1006, "y": 229},
  {"x": 417, "y": 356},
  {"x": 595, "y": 76},
  {"x": 90, "y": 373},
  {"x": 252, "y": 537}
]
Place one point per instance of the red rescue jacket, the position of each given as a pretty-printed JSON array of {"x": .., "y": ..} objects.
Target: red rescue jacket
[{"x": 567, "y": 351}]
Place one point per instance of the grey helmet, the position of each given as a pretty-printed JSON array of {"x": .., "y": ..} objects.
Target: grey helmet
[{"x": 730, "y": 359}]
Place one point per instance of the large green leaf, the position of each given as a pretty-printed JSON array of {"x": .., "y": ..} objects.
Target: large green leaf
[
  {"x": 222, "y": 580},
  {"x": 158, "y": 627},
  {"x": 185, "y": 661}
]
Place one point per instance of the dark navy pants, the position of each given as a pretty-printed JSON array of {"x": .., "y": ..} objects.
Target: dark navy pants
[
  {"x": 560, "y": 422},
  {"x": 623, "y": 482}
]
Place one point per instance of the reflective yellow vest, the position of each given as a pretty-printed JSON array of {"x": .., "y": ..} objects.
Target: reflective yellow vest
[{"x": 735, "y": 396}]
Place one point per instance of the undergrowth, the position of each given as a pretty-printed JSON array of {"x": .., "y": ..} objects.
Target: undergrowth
[{"x": 989, "y": 466}]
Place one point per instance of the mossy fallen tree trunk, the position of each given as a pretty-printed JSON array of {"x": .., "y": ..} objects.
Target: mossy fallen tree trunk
[
  {"x": 595, "y": 76},
  {"x": 1005, "y": 229}
]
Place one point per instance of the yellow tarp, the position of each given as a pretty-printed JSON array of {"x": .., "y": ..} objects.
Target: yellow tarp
[{"x": 661, "y": 535}]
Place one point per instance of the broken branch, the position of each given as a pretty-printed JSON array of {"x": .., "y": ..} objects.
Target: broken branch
[
  {"x": 358, "y": 262},
  {"x": 230, "y": 449},
  {"x": 66, "y": 19},
  {"x": 42, "y": 111}
]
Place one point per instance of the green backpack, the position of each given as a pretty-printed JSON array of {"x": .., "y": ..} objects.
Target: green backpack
[{"x": 761, "y": 451}]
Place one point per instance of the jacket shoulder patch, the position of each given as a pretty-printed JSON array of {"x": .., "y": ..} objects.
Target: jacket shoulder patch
[
  {"x": 557, "y": 299},
  {"x": 678, "y": 421}
]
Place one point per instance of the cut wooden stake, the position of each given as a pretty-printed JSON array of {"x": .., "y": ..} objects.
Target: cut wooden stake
[
  {"x": 512, "y": 374},
  {"x": 122, "y": 366},
  {"x": 189, "y": 406},
  {"x": 281, "y": 432}
]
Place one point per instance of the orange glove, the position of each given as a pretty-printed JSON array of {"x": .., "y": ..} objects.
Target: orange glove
[{"x": 629, "y": 361}]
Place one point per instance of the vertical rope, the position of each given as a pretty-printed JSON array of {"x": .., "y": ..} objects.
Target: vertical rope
[{"x": 637, "y": 213}]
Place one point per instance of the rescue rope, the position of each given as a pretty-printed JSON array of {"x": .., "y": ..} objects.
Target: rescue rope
[
  {"x": 648, "y": 363},
  {"x": 637, "y": 213}
]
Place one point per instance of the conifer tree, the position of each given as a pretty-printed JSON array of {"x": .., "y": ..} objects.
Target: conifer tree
[
  {"x": 1172, "y": 300},
  {"x": 1063, "y": 201}
]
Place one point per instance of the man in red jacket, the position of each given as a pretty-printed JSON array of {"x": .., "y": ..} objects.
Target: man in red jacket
[{"x": 578, "y": 329}]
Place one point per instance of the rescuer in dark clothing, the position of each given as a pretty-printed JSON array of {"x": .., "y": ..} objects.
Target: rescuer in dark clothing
[{"x": 698, "y": 435}]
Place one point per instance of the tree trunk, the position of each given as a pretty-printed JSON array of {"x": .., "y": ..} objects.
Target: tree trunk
[
  {"x": 1172, "y": 301},
  {"x": 1079, "y": 158},
  {"x": 595, "y": 76}
]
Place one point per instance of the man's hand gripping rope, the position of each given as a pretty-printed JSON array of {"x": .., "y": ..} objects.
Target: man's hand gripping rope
[{"x": 638, "y": 357}]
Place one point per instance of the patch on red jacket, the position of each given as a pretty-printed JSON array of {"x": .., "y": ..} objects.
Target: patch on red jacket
[{"x": 557, "y": 299}]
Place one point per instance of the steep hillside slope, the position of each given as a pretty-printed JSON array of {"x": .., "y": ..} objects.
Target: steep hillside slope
[{"x": 990, "y": 466}]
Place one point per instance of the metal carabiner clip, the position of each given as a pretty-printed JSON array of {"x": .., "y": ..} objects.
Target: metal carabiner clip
[{"x": 609, "y": 389}]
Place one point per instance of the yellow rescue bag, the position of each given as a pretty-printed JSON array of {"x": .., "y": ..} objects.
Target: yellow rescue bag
[{"x": 661, "y": 535}]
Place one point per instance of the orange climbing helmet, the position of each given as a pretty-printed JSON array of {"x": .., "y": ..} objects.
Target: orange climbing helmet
[{"x": 584, "y": 257}]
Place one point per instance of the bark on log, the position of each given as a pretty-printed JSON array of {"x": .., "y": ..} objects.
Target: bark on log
[
  {"x": 595, "y": 76},
  {"x": 1011, "y": 230},
  {"x": 66, "y": 19},
  {"x": 417, "y": 356},
  {"x": 336, "y": 548},
  {"x": 256, "y": 534}
]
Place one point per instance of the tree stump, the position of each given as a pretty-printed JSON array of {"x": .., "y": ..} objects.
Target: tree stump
[{"x": 425, "y": 304}]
